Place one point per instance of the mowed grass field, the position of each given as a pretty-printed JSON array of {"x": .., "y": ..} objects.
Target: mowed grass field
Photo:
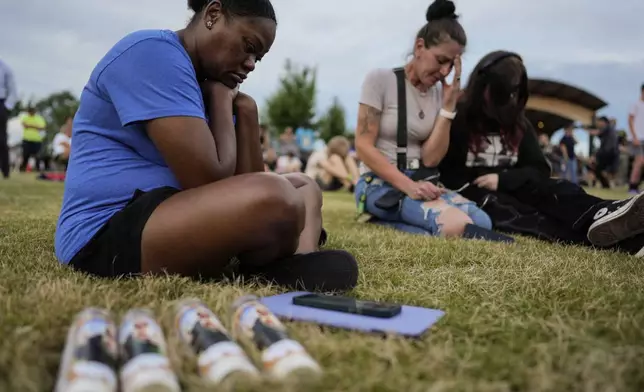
[{"x": 523, "y": 317}]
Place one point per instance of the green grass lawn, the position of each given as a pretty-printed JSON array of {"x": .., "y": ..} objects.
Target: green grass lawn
[{"x": 528, "y": 316}]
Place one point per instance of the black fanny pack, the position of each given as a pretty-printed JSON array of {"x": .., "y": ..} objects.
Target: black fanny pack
[{"x": 392, "y": 199}]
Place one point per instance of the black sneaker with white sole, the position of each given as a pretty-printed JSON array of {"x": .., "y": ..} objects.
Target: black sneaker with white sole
[
  {"x": 617, "y": 221},
  {"x": 323, "y": 271},
  {"x": 633, "y": 246}
]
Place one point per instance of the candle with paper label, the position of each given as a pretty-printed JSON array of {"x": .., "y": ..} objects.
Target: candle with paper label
[
  {"x": 146, "y": 366},
  {"x": 281, "y": 355},
  {"x": 90, "y": 355},
  {"x": 218, "y": 356}
]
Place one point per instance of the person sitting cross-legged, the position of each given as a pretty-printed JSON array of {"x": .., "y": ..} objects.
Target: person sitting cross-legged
[
  {"x": 163, "y": 179},
  {"x": 333, "y": 168},
  {"x": 61, "y": 145},
  {"x": 419, "y": 205}
]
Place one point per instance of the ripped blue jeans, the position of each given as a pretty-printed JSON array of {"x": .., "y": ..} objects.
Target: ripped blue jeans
[{"x": 414, "y": 216}]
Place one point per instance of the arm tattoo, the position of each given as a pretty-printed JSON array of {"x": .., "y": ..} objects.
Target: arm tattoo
[{"x": 370, "y": 118}]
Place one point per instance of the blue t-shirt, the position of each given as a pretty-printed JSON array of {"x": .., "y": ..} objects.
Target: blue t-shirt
[
  {"x": 305, "y": 139},
  {"x": 147, "y": 75}
]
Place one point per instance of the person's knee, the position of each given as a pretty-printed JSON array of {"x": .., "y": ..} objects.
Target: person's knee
[
  {"x": 336, "y": 159},
  {"x": 452, "y": 222},
  {"x": 283, "y": 208},
  {"x": 349, "y": 160},
  {"x": 481, "y": 219},
  {"x": 311, "y": 190}
]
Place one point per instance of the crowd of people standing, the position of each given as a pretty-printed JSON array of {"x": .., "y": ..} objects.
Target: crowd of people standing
[{"x": 616, "y": 161}]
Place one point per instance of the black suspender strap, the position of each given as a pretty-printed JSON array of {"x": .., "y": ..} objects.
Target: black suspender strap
[{"x": 401, "y": 138}]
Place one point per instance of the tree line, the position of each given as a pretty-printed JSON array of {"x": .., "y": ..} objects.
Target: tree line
[{"x": 291, "y": 105}]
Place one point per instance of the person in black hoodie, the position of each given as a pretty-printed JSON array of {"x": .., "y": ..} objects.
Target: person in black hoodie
[{"x": 495, "y": 160}]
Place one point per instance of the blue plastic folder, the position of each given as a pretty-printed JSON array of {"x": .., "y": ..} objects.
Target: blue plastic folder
[{"x": 412, "y": 321}]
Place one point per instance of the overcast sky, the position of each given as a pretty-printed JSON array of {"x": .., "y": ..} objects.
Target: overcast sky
[{"x": 596, "y": 45}]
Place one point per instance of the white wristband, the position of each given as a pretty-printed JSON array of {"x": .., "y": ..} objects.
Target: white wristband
[{"x": 446, "y": 114}]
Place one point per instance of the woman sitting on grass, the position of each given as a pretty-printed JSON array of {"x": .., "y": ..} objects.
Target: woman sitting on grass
[
  {"x": 423, "y": 207},
  {"x": 161, "y": 180},
  {"x": 494, "y": 154},
  {"x": 61, "y": 145},
  {"x": 332, "y": 167}
]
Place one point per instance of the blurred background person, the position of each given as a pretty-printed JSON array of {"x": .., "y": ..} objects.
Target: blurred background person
[
  {"x": 287, "y": 143},
  {"x": 607, "y": 156},
  {"x": 289, "y": 163},
  {"x": 305, "y": 139},
  {"x": 268, "y": 152},
  {"x": 621, "y": 178},
  {"x": 567, "y": 144},
  {"x": 333, "y": 168},
  {"x": 61, "y": 145},
  {"x": 33, "y": 134},
  {"x": 553, "y": 156},
  {"x": 636, "y": 127},
  {"x": 8, "y": 97}
]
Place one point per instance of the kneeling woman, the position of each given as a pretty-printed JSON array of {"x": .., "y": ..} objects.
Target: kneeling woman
[
  {"x": 424, "y": 207},
  {"x": 495, "y": 156},
  {"x": 161, "y": 180},
  {"x": 333, "y": 168}
]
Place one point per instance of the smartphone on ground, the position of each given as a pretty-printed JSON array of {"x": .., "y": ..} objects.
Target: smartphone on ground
[{"x": 348, "y": 305}]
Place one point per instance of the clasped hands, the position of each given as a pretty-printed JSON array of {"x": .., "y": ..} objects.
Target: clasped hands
[{"x": 242, "y": 103}]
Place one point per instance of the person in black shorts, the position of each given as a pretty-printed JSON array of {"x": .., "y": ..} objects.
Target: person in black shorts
[{"x": 166, "y": 174}]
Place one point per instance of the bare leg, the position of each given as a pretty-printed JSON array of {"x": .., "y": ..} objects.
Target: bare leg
[
  {"x": 309, "y": 269},
  {"x": 198, "y": 231},
  {"x": 325, "y": 178},
  {"x": 65, "y": 154},
  {"x": 450, "y": 220},
  {"x": 352, "y": 168},
  {"x": 636, "y": 173},
  {"x": 310, "y": 192},
  {"x": 257, "y": 217},
  {"x": 337, "y": 168}
]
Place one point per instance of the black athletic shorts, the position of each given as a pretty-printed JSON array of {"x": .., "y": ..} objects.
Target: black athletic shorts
[
  {"x": 334, "y": 185},
  {"x": 115, "y": 250}
]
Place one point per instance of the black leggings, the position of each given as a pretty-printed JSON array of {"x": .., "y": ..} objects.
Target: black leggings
[
  {"x": 29, "y": 149},
  {"x": 551, "y": 210},
  {"x": 4, "y": 148}
]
